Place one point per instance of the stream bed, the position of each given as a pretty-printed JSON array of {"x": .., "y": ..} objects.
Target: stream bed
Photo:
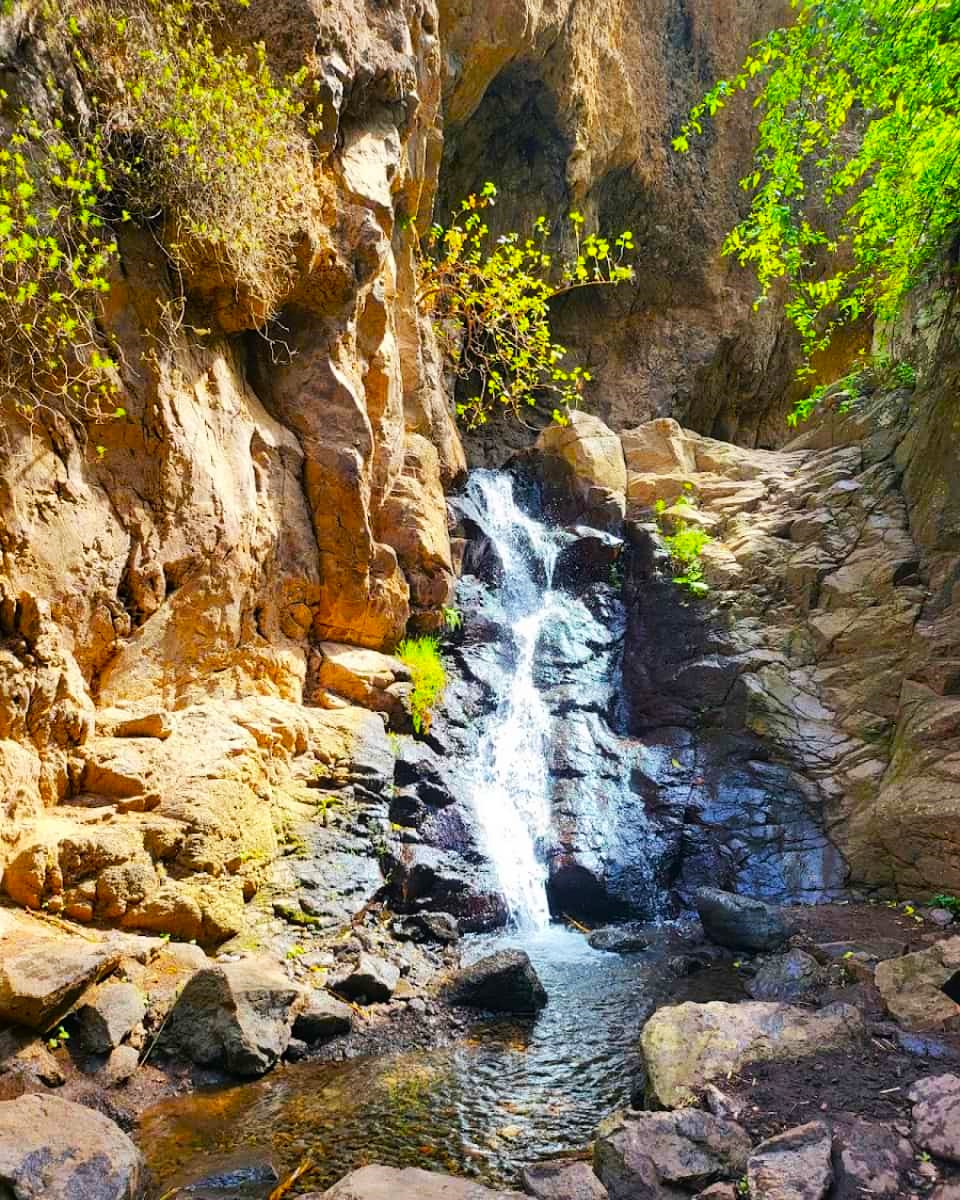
[{"x": 507, "y": 1094}]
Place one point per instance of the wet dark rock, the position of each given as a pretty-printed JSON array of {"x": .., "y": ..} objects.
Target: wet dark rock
[
  {"x": 621, "y": 939},
  {"x": 296, "y": 1050},
  {"x": 322, "y": 1017},
  {"x": 562, "y": 1180},
  {"x": 425, "y": 877},
  {"x": 421, "y": 768},
  {"x": 373, "y": 979},
  {"x": 429, "y": 927},
  {"x": 236, "y": 1015},
  {"x": 739, "y": 922},
  {"x": 689, "y": 1149},
  {"x": 56, "y": 1150},
  {"x": 936, "y": 1115},
  {"x": 587, "y": 557},
  {"x": 796, "y": 1165},
  {"x": 501, "y": 982},
  {"x": 108, "y": 1015},
  {"x": 786, "y": 977}
]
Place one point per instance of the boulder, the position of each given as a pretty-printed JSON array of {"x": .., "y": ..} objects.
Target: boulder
[
  {"x": 562, "y": 1180},
  {"x": 322, "y": 1017},
  {"x": 687, "y": 1046},
  {"x": 429, "y": 927},
  {"x": 584, "y": 472},
  {"x": 40, "y": 980},
  {"x": 911, "y": 986},
  {"x": 786, "y": 977},
  {"x": 689, "y": 1149},
  {"x": 109, "y": 1014},
  {"x": 621, "y": 939},
  {"x": 123, "y": 1064},
  {"x": 373, "y": 980},
  {"x": 795, "y": 1165},
  {"x": 410, "y": 1183},
  {"x": 236, "y": 1015},
  {"x": 739, "y": 922},
  {"x": 936, "y": 1115},
  {"x": 869, "y": 1160},
  {"x": 51, "y": 1149},
  {"x": 501, "y": 982}
]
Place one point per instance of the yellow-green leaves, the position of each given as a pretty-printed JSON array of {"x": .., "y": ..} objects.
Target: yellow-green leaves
[
  {"x": 491, "y": 306},
  {"x": 429, "y": 677}
]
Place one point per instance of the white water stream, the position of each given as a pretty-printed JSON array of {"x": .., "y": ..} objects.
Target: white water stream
[{"x": 511, "y": 788}]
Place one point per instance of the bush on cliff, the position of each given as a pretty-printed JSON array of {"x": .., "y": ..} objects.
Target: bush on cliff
[
  {"x": 193, "y": 139},
  {"x": 491, "y": 307},
  {"x": 860, "y": 108},
  {"x": 429, "y": 677}
]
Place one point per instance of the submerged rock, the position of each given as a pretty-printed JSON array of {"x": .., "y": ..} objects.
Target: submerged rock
[
  {"x": 739, "y": 922},
  {"x": 236, "y": 1015},
  {"x": 501, "y": 982},
  {"x": 688, "y": 1046},
  {"x": 621, "y": 939},
  {"x": 51, "y": 1149},
  {"x": 389, "y": 1183}
]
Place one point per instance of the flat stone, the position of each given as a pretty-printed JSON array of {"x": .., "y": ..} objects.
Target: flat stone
[
  {"x": 236, "y": 1015},
  {"x": 41, "y": 979},
  {"x": 501, "y": 982},
  {"x": 911, "y": 986},
  {"x": 796, "y": 1165},
  {"x": 108, "y": 1015},
  {"x": 322, "y": 1017},
  {"x": 872, "y": 950},
  {"x": 51, "y": 1149},
  {"x": 936, "y": 1115},
  {"x": 687, "y": 1046},
  {"x": 740, "y": 922},
  {"x": 562, "y": 1180},
  {"x": 389, "y": 1183},
  {"x": 869, "y": 1160}
]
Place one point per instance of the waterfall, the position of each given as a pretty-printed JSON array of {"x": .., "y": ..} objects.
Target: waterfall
[{"x": 511, "y": 786}]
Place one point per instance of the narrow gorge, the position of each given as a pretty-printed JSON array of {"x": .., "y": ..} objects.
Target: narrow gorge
[{"x": 429, "y": 769}]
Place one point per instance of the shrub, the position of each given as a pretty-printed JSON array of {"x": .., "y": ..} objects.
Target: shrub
[
  {"x": 422, "y": 656},
  {"x": 491, "y": 307},
  {"x": 686, "y": 545},
  {"x": 57, "y": 254}
]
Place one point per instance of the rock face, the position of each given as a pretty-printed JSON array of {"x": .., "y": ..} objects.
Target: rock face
[
  {"x": 740, "y": 922},
  {"x": 172, "y": 675},
  {"x": 687, "y": 1046},
  {"x": 239, "y": 1016},
  {"x": 501, "y": 982},
  {"x": 56, "y": 1150}
]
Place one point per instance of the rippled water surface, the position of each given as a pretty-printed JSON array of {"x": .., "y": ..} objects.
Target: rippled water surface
[{"x": 508, "y": 1094}]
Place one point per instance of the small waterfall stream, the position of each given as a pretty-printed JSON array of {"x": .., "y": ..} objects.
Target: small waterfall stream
[{"x": 511, "y": 783}]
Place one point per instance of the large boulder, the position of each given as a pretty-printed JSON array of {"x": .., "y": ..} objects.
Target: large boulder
[
  {"x": 796, "y": 1165},
  {"x": 390, "y": 1183},
  {"x": 911, "y": 986},
  {"x": 936, "y": 1115},
  {"x": 109, "y": 1014},
  {"x": 687, "y": 1046},
  {"x": 41, "y": 979},
  {"x": 739, "y": 922},
  {"x": 238, "y": 1016},
  {"x": 584, "y": 472},
  {"x": 501, "y": 982},
  {"x": 689, "y": 1149},
  {"x": 51, "y": 1149}
]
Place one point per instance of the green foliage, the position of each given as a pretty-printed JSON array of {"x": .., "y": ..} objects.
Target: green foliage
[
  {"x": 57, "y": 255},
  {"x": 947, "y": 901},
  {"x": 422, "y": 656},
  {"x": 59, "y": 1039},
  {"x": 860, "y": 105},
  {"x": 491, "y": 306},
  {"x": 685, "y": 544},
  {"x": 452, "y": 618},
  {"x": 877, "y": 370}
]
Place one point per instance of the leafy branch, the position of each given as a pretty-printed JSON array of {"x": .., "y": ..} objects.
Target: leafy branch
[{"x": 491, "y": 306}]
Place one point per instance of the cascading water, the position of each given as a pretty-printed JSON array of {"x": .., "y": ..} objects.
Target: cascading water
[{"x": 510, "y": 792}]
